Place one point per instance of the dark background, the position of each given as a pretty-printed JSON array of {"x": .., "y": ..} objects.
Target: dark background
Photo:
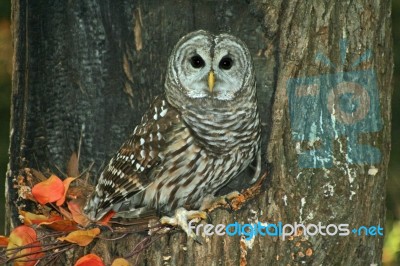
[
  {"x": 392, "y": 230},
  {"x": 5, "y": 91}
]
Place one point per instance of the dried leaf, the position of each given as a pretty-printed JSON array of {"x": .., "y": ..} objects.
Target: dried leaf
[
  {"x": 73, "y": 165},
  {"x": 61, "y": 226},
  {"x": 3, "y": 241},
  {"x": 66, "y": 183},
  {"x": 137, "y": 30},
  {"x": 77, "y": 214},
  {"x": 78, "y": 191},
  {"x": 38, "y": 175},
  {"x": 22, "y": 236},
  {"x": 120, "y": 262},
  {"x": 48, "y": 191},
  {"x": 81, "y": 237},
  {"x": 32, "y": 218},
  {"x": 90, "y": 260},
  {"x": 67, "y": 215}
]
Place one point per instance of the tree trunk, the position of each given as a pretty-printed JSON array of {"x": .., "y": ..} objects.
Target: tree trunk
[{"x": 85, "y": 71}]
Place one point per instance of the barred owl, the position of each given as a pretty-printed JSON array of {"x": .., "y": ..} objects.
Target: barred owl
[{"x": 202, "y": 132}]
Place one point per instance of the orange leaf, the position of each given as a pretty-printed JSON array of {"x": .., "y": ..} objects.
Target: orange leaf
[
  {"x": 107, "y": 218},
  {"x": 120, "y": 262},
  {"x": 77, "y": 214},
  {"x": 66, "y": 183},
  {"x": 31, "y": 218},
  {"x": 3, "y": 241},
  {"x": 81, "y": 237},
  {"x": 23, "y": 236},
  {"x": 90, "y": 260},
  {"x": 48, "y": 191},
  {"x": 61, "y": 226}
]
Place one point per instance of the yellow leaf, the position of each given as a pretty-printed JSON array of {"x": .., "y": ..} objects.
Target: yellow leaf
[
  {"x": 32, "y": 218},
  {"x": 120, "y": 262},
  {"x": 81, "y": 237}
]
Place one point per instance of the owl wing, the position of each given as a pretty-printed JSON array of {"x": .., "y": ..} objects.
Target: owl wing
[{"x": 128, "y": 171}]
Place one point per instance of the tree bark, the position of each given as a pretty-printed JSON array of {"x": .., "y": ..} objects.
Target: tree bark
[{"x": 85, "y": 71}]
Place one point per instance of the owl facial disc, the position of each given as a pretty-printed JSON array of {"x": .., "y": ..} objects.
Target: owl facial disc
[{"x": 210, "y": 67}]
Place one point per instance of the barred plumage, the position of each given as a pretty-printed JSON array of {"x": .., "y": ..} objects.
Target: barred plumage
[{"x": 193, "y": 140}]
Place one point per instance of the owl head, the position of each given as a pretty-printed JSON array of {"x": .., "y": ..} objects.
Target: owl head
[{"x": 207, "y": 68}]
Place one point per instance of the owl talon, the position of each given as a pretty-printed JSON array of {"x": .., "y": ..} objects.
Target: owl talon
[
  {"x": 221, "y": 201},
  {"x": 230, "y": 209},
  {"x": 181, "y": 219}
]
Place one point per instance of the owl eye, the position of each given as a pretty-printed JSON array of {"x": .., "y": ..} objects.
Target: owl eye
[
  {"x": 226, "y": 63},
  {"x": 197, "y": 61}
]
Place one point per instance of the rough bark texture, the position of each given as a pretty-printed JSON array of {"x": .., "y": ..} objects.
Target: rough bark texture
[{"x": 90, "y": 68}]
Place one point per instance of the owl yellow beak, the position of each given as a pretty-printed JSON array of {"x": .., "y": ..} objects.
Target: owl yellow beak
[{"x": 211, "y": 81}]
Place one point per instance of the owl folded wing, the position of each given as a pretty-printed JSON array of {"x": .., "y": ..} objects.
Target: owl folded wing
[{"x": 127, "y": 173}]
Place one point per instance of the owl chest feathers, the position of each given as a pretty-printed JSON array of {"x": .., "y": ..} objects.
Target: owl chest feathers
[
  {"x": 223, "y": 133},
  {"x": 203, "y": 152}
]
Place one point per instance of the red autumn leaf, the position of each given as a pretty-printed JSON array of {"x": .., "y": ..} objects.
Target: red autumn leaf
[
  {"x": 90, "y": 260},
  {"x": 107, "y": 218},
  {"x": 61, "y": 226},
  {"x": 77, "y": 214},
  {"x": 81, "y": 237},
  {"x": 66, "y": 183},
  {"x": 48, "y": 191},
  {"x": 31, "y": 218},
  {"x": 3, "y": 241},
  {"x": 120, "y": 262},
  {"x": 24, "y": 236}
]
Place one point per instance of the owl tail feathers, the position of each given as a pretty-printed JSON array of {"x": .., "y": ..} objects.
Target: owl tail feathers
[
  {"x": 96, "y": 212},
  {"x": 93, "y": 210}
]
